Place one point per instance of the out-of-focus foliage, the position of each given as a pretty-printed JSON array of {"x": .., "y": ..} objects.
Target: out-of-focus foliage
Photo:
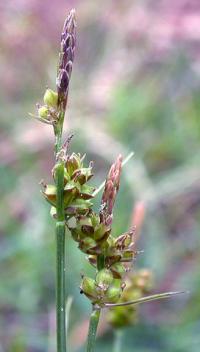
[{"x": 135, "y": 86}]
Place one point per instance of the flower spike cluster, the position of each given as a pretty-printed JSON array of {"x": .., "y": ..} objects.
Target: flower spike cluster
[
  {"x": 77, "y": 193},
  {"x": 94, "y": 236},
  {"x": 55, "y": 102},
  {"x": 68, "y": 41},
  {"x": 92, "y": 231},
  {"x": 110, "y": 191}
]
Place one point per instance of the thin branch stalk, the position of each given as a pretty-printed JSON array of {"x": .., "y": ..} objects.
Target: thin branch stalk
[
  {"x": 60, "y": 261},
  {"x": 94, "y": 320},
  {"x": 60, "y": 243},
  {"x": 96, "y": 311}
]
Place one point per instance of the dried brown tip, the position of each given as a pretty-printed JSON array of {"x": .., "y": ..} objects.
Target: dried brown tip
[{"x": 110, "y": 190}]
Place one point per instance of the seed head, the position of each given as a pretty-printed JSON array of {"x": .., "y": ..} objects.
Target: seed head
[{"x": 68, "y": 39}]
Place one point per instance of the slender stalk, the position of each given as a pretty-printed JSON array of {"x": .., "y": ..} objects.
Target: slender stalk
[
  {"x": 60, "y": 261},
  {"x": 58, "y": 132},
  {"x": 60, "y": 244},
  {"x": 95, "y": 315},
  {"x": 117, "y": 347},
  {"x": 94, "y": 320}
]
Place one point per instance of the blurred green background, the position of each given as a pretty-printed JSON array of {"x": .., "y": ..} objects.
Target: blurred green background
[{"x": 135, "y": 86}]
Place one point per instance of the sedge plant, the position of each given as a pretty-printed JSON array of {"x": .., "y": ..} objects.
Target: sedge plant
[{"x": 70, "y": 196}]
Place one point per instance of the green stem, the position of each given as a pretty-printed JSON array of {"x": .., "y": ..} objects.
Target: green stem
[
  {"x": 60, "y": 261},
  {"x": 60, "y": 241},
  {"x": 58, "y": 132},
  {"x": 94, "y": 320}
]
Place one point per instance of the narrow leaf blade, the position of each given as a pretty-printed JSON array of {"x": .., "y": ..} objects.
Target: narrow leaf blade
[{"x": 150, "y": 298}]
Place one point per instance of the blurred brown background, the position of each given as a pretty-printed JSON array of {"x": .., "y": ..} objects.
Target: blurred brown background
[{"x": 135, "y": 86}]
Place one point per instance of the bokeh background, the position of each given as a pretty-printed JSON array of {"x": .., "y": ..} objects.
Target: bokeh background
[{"x": 135, "y": 86}]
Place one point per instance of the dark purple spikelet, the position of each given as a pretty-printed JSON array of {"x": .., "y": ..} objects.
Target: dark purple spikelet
[
  {"x": 68, "y": 41},
  {"x": 110, "y": 191}
]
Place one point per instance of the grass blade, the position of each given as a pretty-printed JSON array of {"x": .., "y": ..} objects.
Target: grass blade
[{"x": 155, "y": 297}]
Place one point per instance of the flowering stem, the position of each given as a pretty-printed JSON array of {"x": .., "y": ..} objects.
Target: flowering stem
[
  {"x": 60, "y": 261},
  {"x": 53, "y": 113},
  {"x": 94, "y": 320},
  {"x": 60, "y": 246},
  {"x": 58, "y": 132},
  {"x": 60, "y": 290}
]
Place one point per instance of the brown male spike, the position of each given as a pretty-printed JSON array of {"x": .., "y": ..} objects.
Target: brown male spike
[{"x": 68, "y": 41}]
